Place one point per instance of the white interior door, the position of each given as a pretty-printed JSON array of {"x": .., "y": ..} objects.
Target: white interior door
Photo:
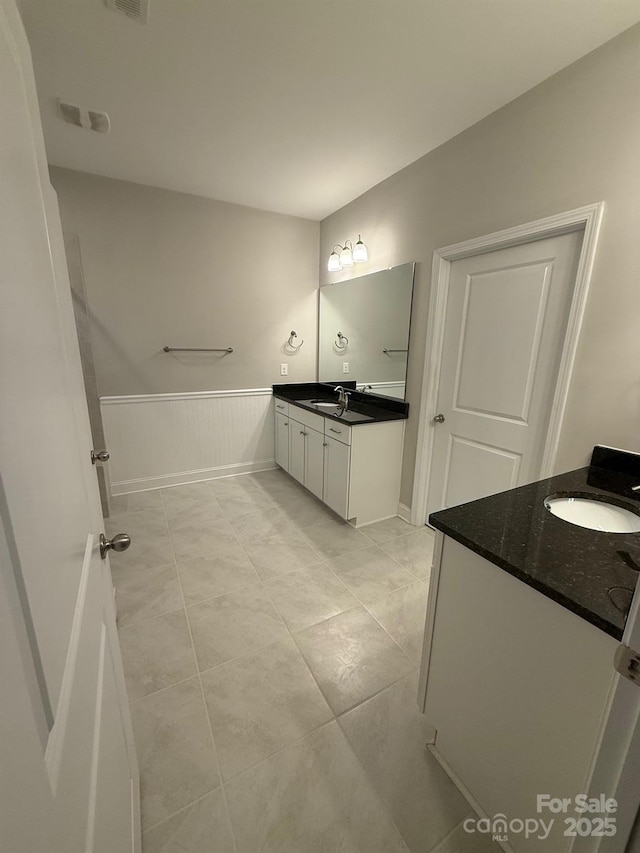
[
  {"x": 68, "y": 766},
  {"x": 505, "y": 323}
]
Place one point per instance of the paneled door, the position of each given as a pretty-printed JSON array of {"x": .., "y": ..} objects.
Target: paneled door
[
  {"x": 504, "y": 330},
  {"x": 68, "y": 770}
]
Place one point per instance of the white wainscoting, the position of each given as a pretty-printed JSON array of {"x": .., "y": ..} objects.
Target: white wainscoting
[{"x": 158, "y": 440}]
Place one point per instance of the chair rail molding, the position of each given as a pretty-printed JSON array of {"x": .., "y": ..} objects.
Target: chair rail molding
[{"x": 587, "y": 219}]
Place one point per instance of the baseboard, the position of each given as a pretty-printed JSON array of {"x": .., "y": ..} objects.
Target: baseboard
[
  {"x": 145, "y": 484},
  {"x": 404, "y": 512}
]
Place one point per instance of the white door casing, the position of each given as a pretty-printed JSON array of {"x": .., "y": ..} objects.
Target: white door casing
[
  {"x": 587, "y": 220},
  {"x": 615, "y": 763},
  {"x": 505, "y": 320},
  {"x": 65, "y": 705}
]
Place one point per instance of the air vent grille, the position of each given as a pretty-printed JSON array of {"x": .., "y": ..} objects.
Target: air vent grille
[{"x": 137, "y": 10}]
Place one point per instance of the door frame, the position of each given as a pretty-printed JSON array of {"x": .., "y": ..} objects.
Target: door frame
[{"x": 587, "y": 219}]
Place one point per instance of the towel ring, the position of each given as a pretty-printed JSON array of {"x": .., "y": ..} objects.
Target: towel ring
[
  {"x": 290, "y": 342},
  {"x": 342, "y": 342}
]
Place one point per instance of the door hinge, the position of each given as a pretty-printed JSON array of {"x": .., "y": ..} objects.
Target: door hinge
[{"x": 627, "y": 662}]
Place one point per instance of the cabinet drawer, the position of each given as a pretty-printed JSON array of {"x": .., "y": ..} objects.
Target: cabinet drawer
[
  {"x": 282, "y": 408},
  {"x": 310, "y": 419},
  {"x": 339, "y": 431}
]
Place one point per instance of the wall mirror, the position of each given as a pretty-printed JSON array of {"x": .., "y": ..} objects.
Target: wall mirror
[{"x": 364, "y": 323}]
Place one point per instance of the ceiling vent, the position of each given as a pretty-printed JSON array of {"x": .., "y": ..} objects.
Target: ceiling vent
[
  {"x": 81, "y": 117},
  {"x": 138, "y": 10}
]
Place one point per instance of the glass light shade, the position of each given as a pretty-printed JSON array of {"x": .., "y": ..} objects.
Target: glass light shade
[
  {"x": 334, "y": 262},
  {"x": 360, "y": 254},
  {"x": 346, "y": 257}
]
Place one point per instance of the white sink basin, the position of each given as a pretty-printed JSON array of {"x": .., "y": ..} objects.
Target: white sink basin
[{"x": 594, "y": 514}]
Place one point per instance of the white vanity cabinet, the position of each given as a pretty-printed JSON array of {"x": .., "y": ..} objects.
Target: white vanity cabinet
[
  {"x": 306, "y": 456},
  {"x": 282, "y": 440},
  {"x": 336, "y": 475},
  {"x": 354, "y": 469},
  {"x": 516, "y": 687}
]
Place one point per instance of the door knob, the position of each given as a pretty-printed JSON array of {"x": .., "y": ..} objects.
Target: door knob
[
  {"x": 120, "y": 542},
  {"x": 439, "y": 419},
  {"x": 100, "y": 456}
]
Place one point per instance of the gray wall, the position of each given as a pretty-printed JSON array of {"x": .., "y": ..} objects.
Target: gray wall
[
  {"x": 573, "y": 140},
  {"x": 168, "y": 268}
]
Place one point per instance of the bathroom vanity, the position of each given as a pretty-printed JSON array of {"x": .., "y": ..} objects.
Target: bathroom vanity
[
  {"x": 525, "y": 615},
  {"x": 350, "y": 459}
]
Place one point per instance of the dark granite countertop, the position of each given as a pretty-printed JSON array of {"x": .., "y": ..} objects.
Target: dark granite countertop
[
  {"x": 584, "y": 570},
  {"x": 363, "y": 408}
]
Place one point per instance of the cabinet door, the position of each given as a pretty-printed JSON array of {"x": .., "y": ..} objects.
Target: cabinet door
[
  {"x": 282, "y": 441},
  {"x": 336, "y": 476},
  {"x": 296, "y": 450},
  {"x": 314, "y": 469}
]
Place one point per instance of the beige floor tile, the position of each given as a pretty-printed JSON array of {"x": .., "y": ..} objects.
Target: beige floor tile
[
  {"x": 240, "y": 484},
  {"x": 370, "y": 573},
  {"x": 414, "y": 552},
  {"x": 461, "y": 841},
  {"x": 190, "y": 494},
  {"x": 201, "y": 538},
  {"x": 402, "y": 614},
  {"x": 278, "y": 555},
  {"x": 200, "y": 828},
  {"x": 389, "y": 735},
  {"x": 141, "y": 595},
  {"x": 123, "y": 504},
  {"x": 260, "y": 703},
  {"x": 334, "y": 538},
  {"x": 352, "y": 658},
  {"x": 227, "y": 570},
  {"x": 156, "y": 653},
  {"x": 305, "y": 511},
  {"x": 198, "y": 513},
  {"x": 260, "y": 524},
  {"x": 175, "y": 751},
  {"x": 150, "y": 542},
  {"x": 311, "y": 797},
  {"x": 230, "y": 626},
  {"x": 390, "y": 528},
  {"x": 241, "y": 502},
  {"x": 310, "y": 595},
  {"x": 278, "y": 485}
]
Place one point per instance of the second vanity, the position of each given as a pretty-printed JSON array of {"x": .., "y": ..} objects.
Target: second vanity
[
  {"x": 526, "y": 612},
  {"x": 350, "y": 459}
]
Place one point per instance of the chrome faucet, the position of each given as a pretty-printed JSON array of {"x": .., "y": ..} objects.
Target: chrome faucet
[{"x": 343, "y": 396}]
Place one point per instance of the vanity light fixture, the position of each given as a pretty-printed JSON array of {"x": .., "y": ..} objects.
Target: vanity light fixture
[{"x": 347, "y": 255}]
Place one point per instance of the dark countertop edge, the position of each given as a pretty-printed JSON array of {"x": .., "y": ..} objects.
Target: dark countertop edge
[
  {"x": 375, "y": 414},
  {"x": 546, "y": 590}
]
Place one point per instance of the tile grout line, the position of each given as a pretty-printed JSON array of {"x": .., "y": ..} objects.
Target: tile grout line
[{"x": 205, "y": 706}]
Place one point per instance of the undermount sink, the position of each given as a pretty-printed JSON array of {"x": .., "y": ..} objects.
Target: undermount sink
[
  {"x": 324, "y": 404},
  {"x": 594, "y": 514}
]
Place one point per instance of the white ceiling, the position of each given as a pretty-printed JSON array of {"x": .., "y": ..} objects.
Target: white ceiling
[{"x": 296, "y": 106}]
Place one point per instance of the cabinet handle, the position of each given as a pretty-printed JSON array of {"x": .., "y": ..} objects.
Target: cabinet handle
[
  {"x": 286, "y": 423},
  {"x": 302, "y": 432},
  {"x": 339, "y": 431},
  {"x": 325, "y": 444},
  {"x": 279, "y": 407}
]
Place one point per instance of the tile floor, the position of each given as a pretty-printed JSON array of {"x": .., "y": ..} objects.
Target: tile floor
[{"x": 271, "y": 654}]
